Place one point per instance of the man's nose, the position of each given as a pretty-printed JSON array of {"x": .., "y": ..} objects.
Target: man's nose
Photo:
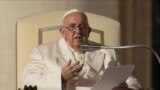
[{"x": 78, "y": 29}]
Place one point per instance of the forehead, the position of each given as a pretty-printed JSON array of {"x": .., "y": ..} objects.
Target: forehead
[{"x": 76, "y": 17}]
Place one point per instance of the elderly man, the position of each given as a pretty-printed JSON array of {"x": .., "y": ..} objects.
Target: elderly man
[{"x": 62, "y": 65}]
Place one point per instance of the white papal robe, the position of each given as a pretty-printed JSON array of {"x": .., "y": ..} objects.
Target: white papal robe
[{"x": 44, "y": 68}]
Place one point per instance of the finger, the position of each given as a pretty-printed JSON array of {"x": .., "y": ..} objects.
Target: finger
[
  {"x": 81, "y": 65},
  {"x": 75, "y": 73},
  {"x": 78, "y": 68},
  {"x": 74, "y": 64},
  {"x": 69, "y": 63}
]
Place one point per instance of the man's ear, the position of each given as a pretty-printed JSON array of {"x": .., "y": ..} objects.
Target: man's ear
[{"x": 62, "y": 32}]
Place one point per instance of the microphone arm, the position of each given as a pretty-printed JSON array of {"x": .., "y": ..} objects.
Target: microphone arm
[{"x": 89, "y": 47}]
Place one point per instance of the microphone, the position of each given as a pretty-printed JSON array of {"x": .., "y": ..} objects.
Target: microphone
[{"x": 91, "y": 47}]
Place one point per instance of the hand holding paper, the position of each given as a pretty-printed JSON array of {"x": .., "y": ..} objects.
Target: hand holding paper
[{"x": 113, "y": 76}]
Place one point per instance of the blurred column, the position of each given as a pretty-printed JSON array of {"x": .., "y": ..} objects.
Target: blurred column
[{"x": 135, "y": 18}]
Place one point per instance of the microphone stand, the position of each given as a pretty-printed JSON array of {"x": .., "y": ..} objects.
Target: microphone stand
[{"x": 88, "y": 47}]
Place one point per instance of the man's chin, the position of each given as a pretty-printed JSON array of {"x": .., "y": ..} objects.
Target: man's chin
[{"x": 77, "y": 46}]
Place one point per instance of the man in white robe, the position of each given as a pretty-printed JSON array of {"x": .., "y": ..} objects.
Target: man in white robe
[{"x": 62, "y": 65}]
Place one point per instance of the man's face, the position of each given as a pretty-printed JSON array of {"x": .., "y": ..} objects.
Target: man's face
[{"x": 75, "y": 29}]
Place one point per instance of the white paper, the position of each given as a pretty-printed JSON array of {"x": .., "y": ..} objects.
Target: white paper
[{"x": 113, "y": 76}]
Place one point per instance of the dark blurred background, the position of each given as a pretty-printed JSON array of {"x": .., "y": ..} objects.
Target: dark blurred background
[{"x": 156, "y": 44}]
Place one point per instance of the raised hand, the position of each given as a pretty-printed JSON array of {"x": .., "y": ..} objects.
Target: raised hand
[{"x": 71, "y": 71}]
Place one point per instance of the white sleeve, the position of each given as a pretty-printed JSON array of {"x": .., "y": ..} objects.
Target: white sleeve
[{"x": 36, "y": 73}]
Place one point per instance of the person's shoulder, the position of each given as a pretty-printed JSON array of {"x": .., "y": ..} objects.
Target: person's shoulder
[{"x": 48, "y": 44}]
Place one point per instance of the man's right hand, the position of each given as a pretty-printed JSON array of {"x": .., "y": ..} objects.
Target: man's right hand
[{"x": 71, "y": 71}]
